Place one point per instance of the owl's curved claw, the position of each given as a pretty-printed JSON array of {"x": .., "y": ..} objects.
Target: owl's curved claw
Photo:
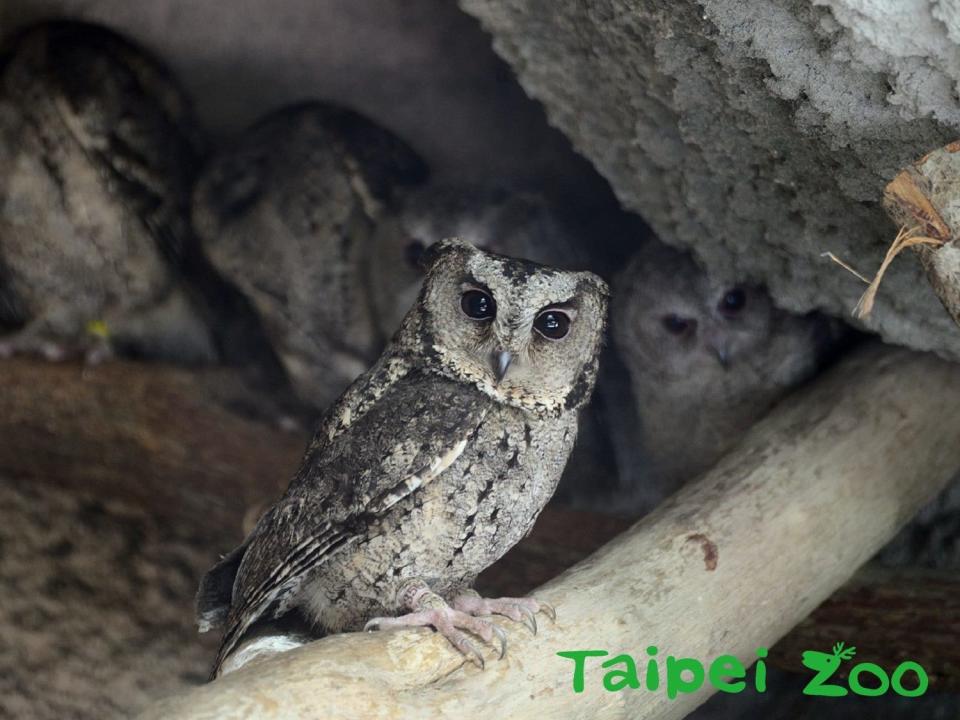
[
  {"x": 529, "y": 619},
  {"x": 521, "y": 610},
  {"x": 448, "y": 622},
  {"x": 502, "y": 637},
  {"x": 462, "y": 643}
]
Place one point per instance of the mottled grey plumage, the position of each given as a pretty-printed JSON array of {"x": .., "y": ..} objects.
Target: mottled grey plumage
[
  {"x": 286, "y": 215},
  {"x": 705, "y": 358},
  {"x": 429, "y": 468},
  {"x": 96, "y": 159}
]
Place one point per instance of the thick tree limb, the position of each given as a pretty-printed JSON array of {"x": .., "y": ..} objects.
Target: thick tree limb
[{"x": 729, "y": 564}]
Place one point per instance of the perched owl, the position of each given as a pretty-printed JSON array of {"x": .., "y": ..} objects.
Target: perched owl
[
  {"x": 286, "y": 215},
  {"x": 432, "y": 464},
  {"x": 521, "y": 225},
  {"x": 97, "y": 154},
  {"x": 703, "y": 359}
]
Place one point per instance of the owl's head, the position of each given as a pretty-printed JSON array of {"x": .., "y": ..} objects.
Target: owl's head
[
  {"x": 526, "y": 334},
  {"x": 514, "y": 224},
  {"x": 674, "y": 322}
]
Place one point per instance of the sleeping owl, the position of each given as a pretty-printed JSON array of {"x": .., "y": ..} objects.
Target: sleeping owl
[
  {"x": 97, "y": 153},
  {"x": 703, "y": 358},
  {"x": 286, "y": 215},
  {"x": 320, "y": 218}
]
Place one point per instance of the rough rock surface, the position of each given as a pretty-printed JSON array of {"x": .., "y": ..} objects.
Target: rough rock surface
[{"x": 758, "y": 132}]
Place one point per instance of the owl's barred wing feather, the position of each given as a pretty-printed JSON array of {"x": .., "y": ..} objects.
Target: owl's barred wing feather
[{"x": 416, "y": 429}]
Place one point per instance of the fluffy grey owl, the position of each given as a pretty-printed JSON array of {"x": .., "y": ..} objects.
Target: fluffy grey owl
[
  {"x": 705, "y": 358},
  {"x": 96, "y": 160},
  {"x": 432, "y": 464},
  {"x": 286, "y": 215},
  {"x": 521, "y": 225}
]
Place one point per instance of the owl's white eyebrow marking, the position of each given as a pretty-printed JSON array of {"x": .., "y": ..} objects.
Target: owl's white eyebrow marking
[
  {"x": 437, "y": 465},
  {"x": 568, "y": 304}
]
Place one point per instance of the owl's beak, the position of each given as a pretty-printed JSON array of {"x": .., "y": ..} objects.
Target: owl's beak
[
  {"x": 501, "y": 363},
  {"x": 723, "y": 355}
]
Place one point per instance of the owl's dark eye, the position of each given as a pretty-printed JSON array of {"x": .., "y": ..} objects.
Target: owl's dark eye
[
  {"x": 676, "y": 325},
  {"x": 413, "y": 252},
  {"x": 478, "y": 305},
  {"x": 552, "y": 324},
  {"x": 733, "y": 301}
]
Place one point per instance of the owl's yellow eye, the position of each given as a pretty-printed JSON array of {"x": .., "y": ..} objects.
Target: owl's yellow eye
[
  {"x": 477, "y": 305},
  {"x": 552, "y": 324}
]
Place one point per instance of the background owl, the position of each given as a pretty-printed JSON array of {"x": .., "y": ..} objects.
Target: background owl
[
  {"x": 433, "y": 463},
  {"x": 97, "y": 154},
  {"x": 285, "y": 214},
  {"x": 699, "y": 360}
]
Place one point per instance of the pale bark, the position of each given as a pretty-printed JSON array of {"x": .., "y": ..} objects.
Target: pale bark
[{"x": 728, "y": 565}]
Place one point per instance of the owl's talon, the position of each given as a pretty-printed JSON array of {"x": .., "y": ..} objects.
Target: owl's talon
[
  {"x": 28, "y": 344},
  {"x": 549, "y": 610},
  {"x": 520, "y": 610},
  {"x": 502, "y": 637},
  {"x": 462, "y": 643},
  {"x": 529, "y": 619},
  {"x": 448, "y": 622}
]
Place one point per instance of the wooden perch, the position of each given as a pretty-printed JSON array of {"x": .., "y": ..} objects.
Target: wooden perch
[{"x": 729, "y": 564}]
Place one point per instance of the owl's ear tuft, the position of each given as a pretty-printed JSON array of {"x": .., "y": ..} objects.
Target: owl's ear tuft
[
  {"x": 595, "y": 282},
  {"x": 441, "y": 249}
]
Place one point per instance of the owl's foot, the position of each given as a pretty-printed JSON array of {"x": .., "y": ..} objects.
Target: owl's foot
[
  {"x": 97, "y": 350},
  {"x": 37, "y": 339},
  {"x": 521, "y": 610},
  {"x": 429, "y": 609},
  {"x": 23, "y": 343}
]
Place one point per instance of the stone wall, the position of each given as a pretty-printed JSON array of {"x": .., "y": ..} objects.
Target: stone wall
[{"x": 759, "y": 133}]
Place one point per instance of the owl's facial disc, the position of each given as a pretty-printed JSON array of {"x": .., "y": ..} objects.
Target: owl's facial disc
[{"x": 524, "y": 333}]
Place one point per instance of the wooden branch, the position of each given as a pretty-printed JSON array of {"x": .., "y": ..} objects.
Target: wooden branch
[{"x": 729, "y": 564}]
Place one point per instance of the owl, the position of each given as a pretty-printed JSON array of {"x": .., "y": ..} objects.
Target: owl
[
  {"x": 97, "y": 154},
  {"x": 431, "y": 465},
  {"x": 286, "y": 215},
  {"x": 699, "y": 360},
  {"x": 522, "y": 225}
]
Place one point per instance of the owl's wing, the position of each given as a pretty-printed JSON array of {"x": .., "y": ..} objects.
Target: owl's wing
[{"x": 408, "y": 437}]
